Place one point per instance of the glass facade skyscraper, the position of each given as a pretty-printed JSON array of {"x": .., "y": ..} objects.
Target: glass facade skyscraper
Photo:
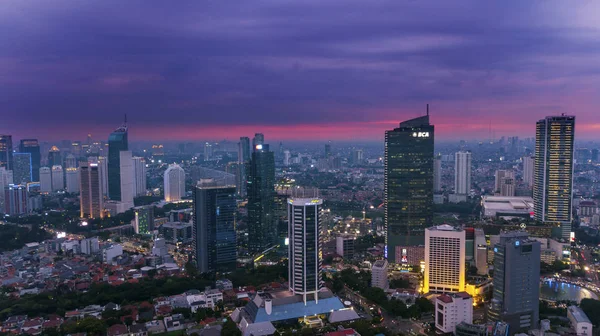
[
  {"x": 553, "y": 172},
  {"x": 32, "y": 146},
  {"x": 117, "y": 142},
  {"x": 22, "y": 170},
  {"x": 6, "y": 151},
  {"x": 215, "y": 247},
  {"x": 408, "y": 184},
  {"x": 260, "y": 186}
]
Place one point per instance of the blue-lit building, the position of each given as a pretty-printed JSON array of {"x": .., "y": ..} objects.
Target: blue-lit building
[
  {"x": 117, "y": 142},
  {"x": 32, "y": 147}
]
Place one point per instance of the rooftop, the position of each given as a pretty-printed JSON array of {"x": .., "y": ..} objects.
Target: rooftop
[{"x": 578, "y": 314}]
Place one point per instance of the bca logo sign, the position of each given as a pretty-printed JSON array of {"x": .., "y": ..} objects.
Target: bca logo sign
[{"x": 420, "y": 134}]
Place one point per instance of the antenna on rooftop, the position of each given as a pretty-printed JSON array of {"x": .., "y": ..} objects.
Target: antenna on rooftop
[{"x": 427, "y": 109}]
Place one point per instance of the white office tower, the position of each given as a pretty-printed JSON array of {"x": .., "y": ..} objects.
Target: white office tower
[
  {"x": 174, "y": 183},
  {"x": 139, "y": 174},
  {"x": 379, "y": 274},
  {"x": 103, "y": 170},
  {"x": 89, "y": 245},
  {"x": 58, "y": 179},
  {"x": 462, "y": 173},
  {"x": 305, "y": 246},
  {"x": 444, "y": 259},
  {"x": 72, "y": 175},
  {"x": 437, "y": 174},
  {"x": 70, "y": 161},
  {"x": 528, "y": 168},
  {"x": 287, "y": 158},
  {"x": 451, "y": 310},
  {"x": 6, "y": 178},
  {"x": 505, "y": 183},
  {"x": 126, "y": 179},
  {"x": 91, "y": 198},
  {"x": 45, "y": 180}
]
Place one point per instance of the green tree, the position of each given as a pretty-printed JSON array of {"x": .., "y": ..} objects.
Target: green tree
[
  {"x": 230, "y": 329},
  {"x": 591, "y": 308}
]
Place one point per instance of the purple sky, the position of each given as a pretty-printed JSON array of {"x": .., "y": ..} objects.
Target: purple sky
[{"x": 340, "y": 69}]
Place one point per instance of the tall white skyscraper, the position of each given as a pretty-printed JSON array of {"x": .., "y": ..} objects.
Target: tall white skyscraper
[
  {"x": 58, "y": 178},
  {"x": 287, "y": 158},
  {"x": 444, "y": 259},
  {"x": 72, "y": 175},
  {"x": 462, "y": 173},
  {"x": 305, "y": 246},
  {"x": 528, "y": 165},
  {"x": 139, "y": 174},
  {"x": 126, "y": 165},
  {"x": 91, "y": 198},
  {"x": 103, "y": 168},
  {"x": 437, "y": 174},
  {"x": 45, "y": 179},
  {"x": 174, "y": 183}
]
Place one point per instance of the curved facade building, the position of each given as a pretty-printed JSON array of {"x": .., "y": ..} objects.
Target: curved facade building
[{"x": 174, "y": 183}]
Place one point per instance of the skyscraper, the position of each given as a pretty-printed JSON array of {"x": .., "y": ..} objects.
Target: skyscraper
[
  {"x": 444, "y": 259},
  {"x": 144, "y": 219},
  {"x": 215, "y": 247},
  {"x": 174, "y": 183},
  {"x": 70, "y": 161},
  {"x": 72, "y": 180},
  {"x": 117, "y": 142},
  {"x": 408, "y": 184},
  {"x": 6, "y": 151},
  {"x": 305, "y": 246},
  {"x": 437, "y": 174},
  {"x": 528, "y": 169},
  {"x": 6, "y": 179},
  {"x": 58, "y": 178},
  {"x": 243, "y": 158},
  {"x": 54, "y": 157},
  {"x": 91, "y": 199},
  {"x": 139, "y": 174},
  {"x": 45, "y": 179},
  {"x": 553, "y": 175},
  {"x": 462, "y": 173},
  {"x": 33, "y": 147},
  {"x": 76, "y": 148},
  {"x": 259, "y": 139},
  {"x": 102, "y": 162},
  {"x": 127, "y": 179},
  {"x": 262, "y": 231},
  {"x": 516, "y": 282},
  {"x": 22, "y": 170},
  {"x": 15, "y": 199}
]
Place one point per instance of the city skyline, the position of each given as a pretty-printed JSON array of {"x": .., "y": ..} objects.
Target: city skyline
[{"x": 261, "y": 67}]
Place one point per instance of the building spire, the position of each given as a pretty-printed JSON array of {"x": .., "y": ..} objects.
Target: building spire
[{"x": 427, "y": 109}]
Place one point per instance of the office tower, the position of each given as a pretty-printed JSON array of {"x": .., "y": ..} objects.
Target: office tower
[
  {"x": 408, "y": 184},
  {"x": 208, "y": 151},
  {"x": 260, "y": 186},
  {"x": 72, "y": 177},
  {"x": 6, "y": 151},
  {"x": 103, "y": 169},
  {"x": 595, "y": 155},
  {"x": 328, "y": 150},
  {"x": 462, "y": 173},
  {"x": 174, "y": 183},
  {"x": 258, "y": 140},
  {"x": 504, "y": 184},
  {"x": 6, "y": 179},
  {"x": 287, "y": 158},
  {"x": 516, "y": 282},
  {"x": 70, "y": 161},
  {"x": 76, "y": 148},
  {"x": 244, "y": 150},
  {"x": 444, "y": 259},
  {"x": 358, "y": 156},
  {"x": 127, "y": 179},
  {"x": 437, "y": 174},
  {"x": 452, "y": 309},
  {"x": 305, "y": 247},
  {"x": 215, "y": 247},
  {"x": 45, "y": 180},
  {"x": 344, "y": 246},
  {"x": 480, "y": 252},
  {"x": 15, "y": 199},
  {"x": 22, "y": 167},
  {"x": 553, "y": 175},
  {"x": 498, "y": 176},
  {"x": 91, "y": 199},
  {"x": 379, "y": 274},
  {"x": 54, "y": 157},
  {"x": 528, "y": 168},
  {"x": 58, "y": 178},
  {"x": 139, "y": 173},
  {"x": 117, "y": 142},
  {"x": 33, "y": 147},
  {"x": 144, "y": 219}
]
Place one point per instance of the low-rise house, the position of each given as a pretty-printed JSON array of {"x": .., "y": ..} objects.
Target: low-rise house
[
  {"x": 175, "y": 322},
  {"x": 32, "y": 326},
  {"x": 138, "y": 330},
  {"x": 155, "y": 327},
  {"x": 117, "y": 330}
]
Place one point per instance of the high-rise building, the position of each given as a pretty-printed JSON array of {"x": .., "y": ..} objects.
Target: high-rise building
[
  {"x": 6, "y": 151},
  {"x": 215, "y": 247},
  {"x": 328, "y": 149},
  {"x": 516, "y": 282},
  {"x": 244, "y": 150},
  {"x": 305, "y": 246},
  {"x": 70, "y": 161},
  {"x": 72, "y": 177},
  {"x": 103, "y": 169},
  {"x": 408, "y": 183},
  {"x": 144, "y": 219},
  {"x": 6, "y": 179},
  {"x": 127, "y": 179},
  {"x": 344, "y": 246},
  {"x": 553, "y": 175},
  {"x": 15, "y": 199},
  {"x": 260, "y": 186},
  {"x": 480, "y": 253},
  {"x": 54, "y": 157},
  {"x": 258, "y": 140},
  {"x": 437, "y": 174},
  {"x": 452, "y": 309},
  {"x": 45, "y": 180},
  {"x": 91, "y": 198},
  {"x": 358, "y": 156},
  {"x": 139, "y": 173},
  {"x": 208, "y": 151},
  {"x": 22, "y": 170},
  {"x": 379, "y": 274},
  {"x": 287, "y": 158},
  {"x": 595, "y": 156},
  {"x": 462, "y": 173},
  {"x": 76, "y": 148},
  {"x": 58, "y": 178},
  {"x": 33, "y": 147},
  {"x": 117, "y": 142},
  {"x": 498, "y": 176},
  {"x": 528, "y": 165},
  {"x": 174, "y": 183},
  {"x": 444, "y": 259},
  {"x": 505, "y": 183}
]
